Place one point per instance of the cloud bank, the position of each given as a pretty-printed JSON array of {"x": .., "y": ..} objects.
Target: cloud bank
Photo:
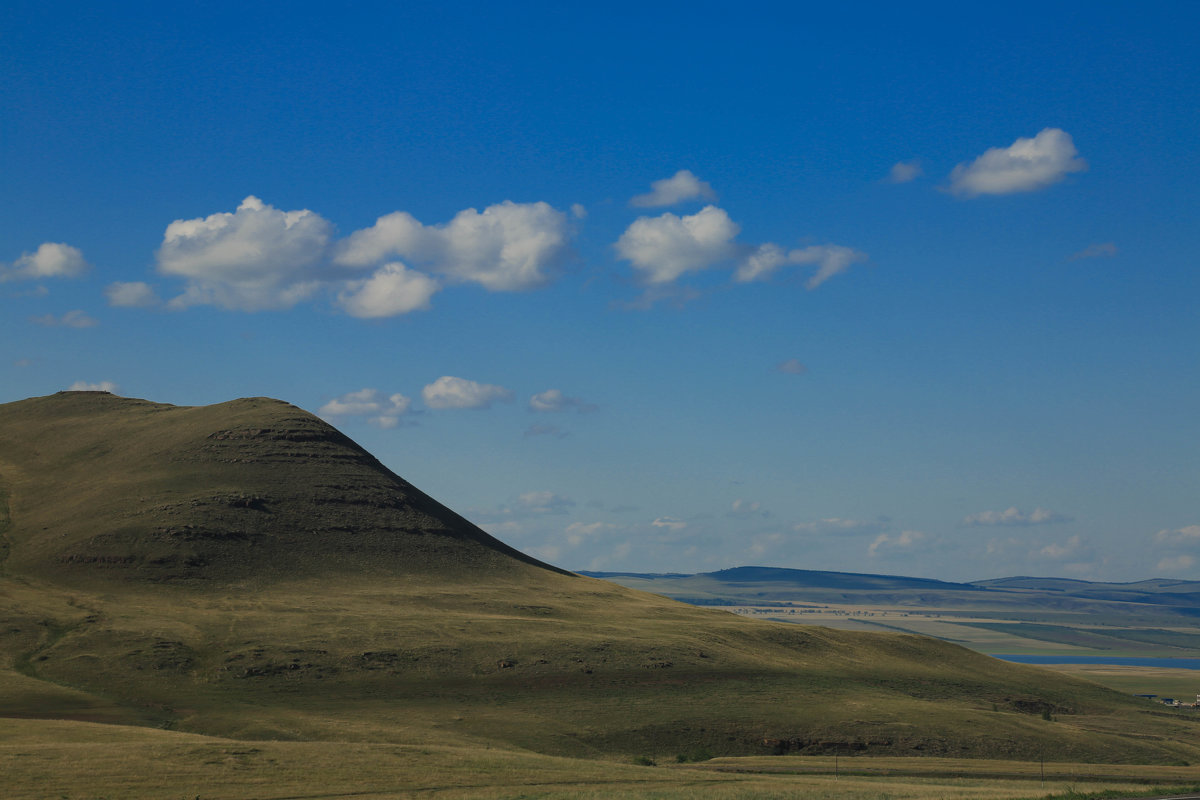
[{"x": 259, "y": 257}]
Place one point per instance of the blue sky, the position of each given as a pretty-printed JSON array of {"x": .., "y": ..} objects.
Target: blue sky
[{"x": 885, "y": 289}]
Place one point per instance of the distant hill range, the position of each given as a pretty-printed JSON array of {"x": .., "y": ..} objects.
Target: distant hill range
[{"x": 1151, "y": 600}]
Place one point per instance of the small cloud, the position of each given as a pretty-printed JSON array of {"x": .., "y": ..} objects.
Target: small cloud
[
  {"x": 544, "y": 430},
  {"x": 669, "y": 523},
  {"x": 1015, "y": 517},
  {"x": 905, "y": 171},
  {"x": 1189, "y": 535},
  {"x": 578, "y": 211},
  {"x": 1176, "y": 563},
  {"x": 451, "y": 392},
  {"x": 791, "y": 367},
  {"x": 392, "y": 290},
  {"x": 577, "y": 532},
  {"x": 763, "y": 543},
  {"x": 1102, "y": 250},
  {"x": 1057, "y": 551},
  {"x": 50, "y": 260},
  {"x": 744, "y": 509},
  {"x": 553, "y": 400},
  {"x": 905, "y": 540},
  {"x": 135, "y": 294},
  {"x": 681, "y": 186},
  {"x": 665, "y": 247},
  {"x": 381, "y": 411},
  {"x": 830, "y": 260},
  {"x": 102, "y": 386},
  {"x": 545, "y": 503},
  {"x": 1024, "y": 166},
  {"x": 836, "y": 526},
  {"x": 21, "y": 363},
  {"x": 71, "y": 319}
]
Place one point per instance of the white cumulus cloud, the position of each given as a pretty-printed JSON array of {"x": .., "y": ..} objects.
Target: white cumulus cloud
[
  {"x": 506, "y": 247},
  {"x": 1016, "y": 517},
  {"x": 905, "y": 171},
  {"x": 663, "y": 248},
  {"x": 133, "y": 294},
  {"x": 380, "y": 410},
  {"x": 450, "y": 392},
  {"x": 1024, "y": 166},
  {"x": 50, "y": 260},
  {"x": 669, "y": 523},
  {"x": 393, "y": 289},
  {"x": 257, "y": 257},
  {"x": 681, "y": 186}
]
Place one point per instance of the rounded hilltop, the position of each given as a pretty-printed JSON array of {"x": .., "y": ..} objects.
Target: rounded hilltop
[{"x": 106, "y": 487}]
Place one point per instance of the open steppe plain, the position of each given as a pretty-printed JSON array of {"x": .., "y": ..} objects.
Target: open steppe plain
[{"x": 237, "y": 601}]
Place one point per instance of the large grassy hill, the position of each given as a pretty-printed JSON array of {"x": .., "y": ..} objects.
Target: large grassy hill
[{"x": 244, "y": 570}]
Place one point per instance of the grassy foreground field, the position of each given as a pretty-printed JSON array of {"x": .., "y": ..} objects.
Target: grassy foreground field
[
  {"x": 85, "y": 761},
  {"x": 588, "y": 670}
]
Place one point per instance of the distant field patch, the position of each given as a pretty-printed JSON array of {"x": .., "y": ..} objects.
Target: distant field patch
[{"x": 1134, "y": 642}]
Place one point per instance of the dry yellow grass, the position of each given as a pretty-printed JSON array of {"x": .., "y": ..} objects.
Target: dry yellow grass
[{"x": 85, "y": 761}]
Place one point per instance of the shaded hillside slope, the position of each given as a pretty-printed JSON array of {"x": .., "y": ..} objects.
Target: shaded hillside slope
[{"x": 245, "y": 570}]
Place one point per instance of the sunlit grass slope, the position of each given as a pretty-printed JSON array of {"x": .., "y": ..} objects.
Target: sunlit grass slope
[{"x": 245, "y": 571}]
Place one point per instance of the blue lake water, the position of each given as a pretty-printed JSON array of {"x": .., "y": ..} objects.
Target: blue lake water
[{"x": 1124, "y": 661}]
